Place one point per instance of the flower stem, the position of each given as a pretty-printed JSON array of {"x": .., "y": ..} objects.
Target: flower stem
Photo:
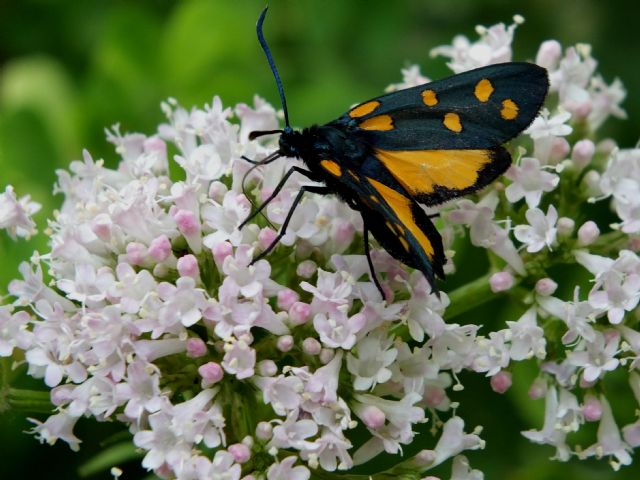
[
  {"x": 469, "y": 296},
  {"x": 31, "y": 401}
]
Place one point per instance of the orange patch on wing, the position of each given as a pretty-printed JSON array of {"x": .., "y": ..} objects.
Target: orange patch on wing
[
  {"x": 331, "y": 167},
  {"x": 483, "y": 90},
  {"x": 401, "y": 207},
  {"x": 374, "y": 199},
  {"x": 353, "y": 175},
  {"x": 380, "y": 122},
  {"x": 509, "y": 109},
  {"x": 420, "y": 171},
  {"x": 452, "y": 122},
  {"x": 429, "y": 98},
  {"x": 364, "y": 109},
  {"x": 404, "y": 243}
]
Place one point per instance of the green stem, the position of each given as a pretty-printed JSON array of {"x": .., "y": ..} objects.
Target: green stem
[
  {"x": 30, "y": 401},
  {"x": 469, "y": 296}
]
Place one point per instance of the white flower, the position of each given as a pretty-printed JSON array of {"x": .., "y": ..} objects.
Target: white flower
[
  {"x": 15, "y": 215},
  {"x": 550, "y": 433},
  {"x": 529, "y": 181},
  {"x": 609, "y": 442},
  {"x": 374, "y": 356},
  {"x": 578, "y": 316},
  {"x": 541, "y": 230},
  {"x": 527, "y": 338},
  {"x": 596, "y": 357},
  {"x": 616, "y": 293},
  {"x": 286, "y": 471}
]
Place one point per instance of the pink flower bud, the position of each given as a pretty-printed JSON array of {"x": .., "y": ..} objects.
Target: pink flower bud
[
  {"x": 266, "y": 237},
  {"x": 211, "y": 372},
  {"x": 565, "y": 226},
  {"x": 267, "y": 368},
  {"x": 591, "y": 409},
  {"x": 265, "y": 193},
  {"x": 187, "y": 222},
  {"x": 217, "y": 190},
  {"x": 501, "y": 281},
  {"x": 264, "y": 430},
  {"x": 101, "y": 226},
  {"x": 326, "y": 355},
  {"x": 631, "y": 434},
  {"x": 160, "y": 248},
  {"x": 560, "y": 148},
  {"x": 284, "y": 343},
  {"x": 299, "y": 313},
  {"x": 188, "y": 266},
  {"x": 306, "y": 269},
  {"x": 373, "y": 417},
  {"x": 588, "y": 233},
  {"x": 243, "y": 201},
  {"x": 549, "y": 54},
  {"x": 501, "y": 382},
  {"x": 221, "y": 251},
  {"x": 546, "y": 287},
  {"x": 425, "y": 458},
  {"x": 434, "y": 396},
  {"x": 240, "y": 452},
  {"x": 155, "y": 145},
  {"x": 311, "y": 346},
  {"x": 582, "y": 153},
  {"x": 343, "y": 233},
  {"x": 538, "y": 389},
  {"x": 286, "y": 298},
  {"x": 196, "y": 347},
  {"x": 136, "y": 253}
]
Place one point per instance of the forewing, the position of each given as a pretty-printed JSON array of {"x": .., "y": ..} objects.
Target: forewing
[{"x": 479, "y": 109}]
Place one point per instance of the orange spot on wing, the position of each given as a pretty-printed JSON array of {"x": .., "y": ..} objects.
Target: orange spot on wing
[
  {"x": 380, "y": 122},
  {"x": 404, "y": 243},
  {"x": 420, "y": 171},
  {"x": 483, "y": 90},
  {"x": 429, "y": 98},
  {"x": 401, "y": 207},
  {"x": 331, "y": 167},
  {"x": 509, "y": 109},
  {"x": 452, "y": 122},
  {"x": 354, "y": 176},
  {"x": 364, "y": 109}
]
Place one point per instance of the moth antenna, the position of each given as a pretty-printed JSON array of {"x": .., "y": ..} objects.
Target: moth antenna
[{"x": 267, "y": 52}]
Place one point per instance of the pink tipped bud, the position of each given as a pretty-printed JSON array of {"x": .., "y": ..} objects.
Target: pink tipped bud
[
  {"x": 565, "y": 226},
  {"x": 425, "y": 458},
  {"x": 266, "y": 237},
  {"x": 582, "y": 153},
  {"x": 306, "y": 269},
  {"x": 136, "y": 253},
  {"x": 538, "y": 389},
  {"x": 591, "y": 409},
  {"x": 264, "y": 430},
  {"x": 501, "y": 281},
  {"x": 285, "y": 343},
  {"x": 211, "y": 372},
  {"x": 343, "y": 233},
  {"x": 546, "y": 287},
  {"x": 187, "y": 222},
  {"x": 434, "y": 396},
  {"x": 267, "y": 368},
  {"x": 286, "y": 298},
  {"x": 311, "y": 346},
  {"x": 588, "y": 233},
  {"x": 373, "y": 417},
  {"x": 240, "y": 452},
  {"x": 188, "y": 266},
  {"x": 501, "y": 382},
  {"x": 217, "y": 191},
  {"x": 160, "y": 248},
  {"x": 221, "y": 251},
  {"x": 101, "y": 226},
  {"x": 265, "y": 193},
  {"x": 549, "y": 54},
  {"x": 299, "y": 313},
  {"x": 326, "y": 355},
  {"x": 631, "y": 434},
  {"x": 155, "y": 145},
  {"x": 560, "y": 149},
  {"x": 196, "y": 347}
]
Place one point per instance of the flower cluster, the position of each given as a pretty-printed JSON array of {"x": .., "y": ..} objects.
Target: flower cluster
[{"x": 153, "y": 315}]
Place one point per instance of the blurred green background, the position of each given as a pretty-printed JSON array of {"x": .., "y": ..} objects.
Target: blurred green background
[{"x": 68, "y": 69}]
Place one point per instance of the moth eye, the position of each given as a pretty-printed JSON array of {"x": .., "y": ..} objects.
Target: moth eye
[
  {"x": 452, "y": 122},
  {"x": 483, "y": 90},
  {"x": 509, "y": 109},
  {"x": 429, "y": 98},
  {"x": 364, "y": 109}
]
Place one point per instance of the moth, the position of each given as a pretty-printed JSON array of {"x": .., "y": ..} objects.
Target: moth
[{"x": 422, "y": 145}]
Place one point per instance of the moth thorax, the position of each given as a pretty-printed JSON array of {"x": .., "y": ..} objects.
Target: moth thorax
[{"x": 295, "y": 144}]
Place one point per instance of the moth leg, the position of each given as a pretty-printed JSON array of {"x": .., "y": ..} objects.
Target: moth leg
[
  {"x": 276, "y": 191},
  {"x": 433, "y": 215},
  {"x": 367, "y": 252},
  {"x": 305, "y": 188}
]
